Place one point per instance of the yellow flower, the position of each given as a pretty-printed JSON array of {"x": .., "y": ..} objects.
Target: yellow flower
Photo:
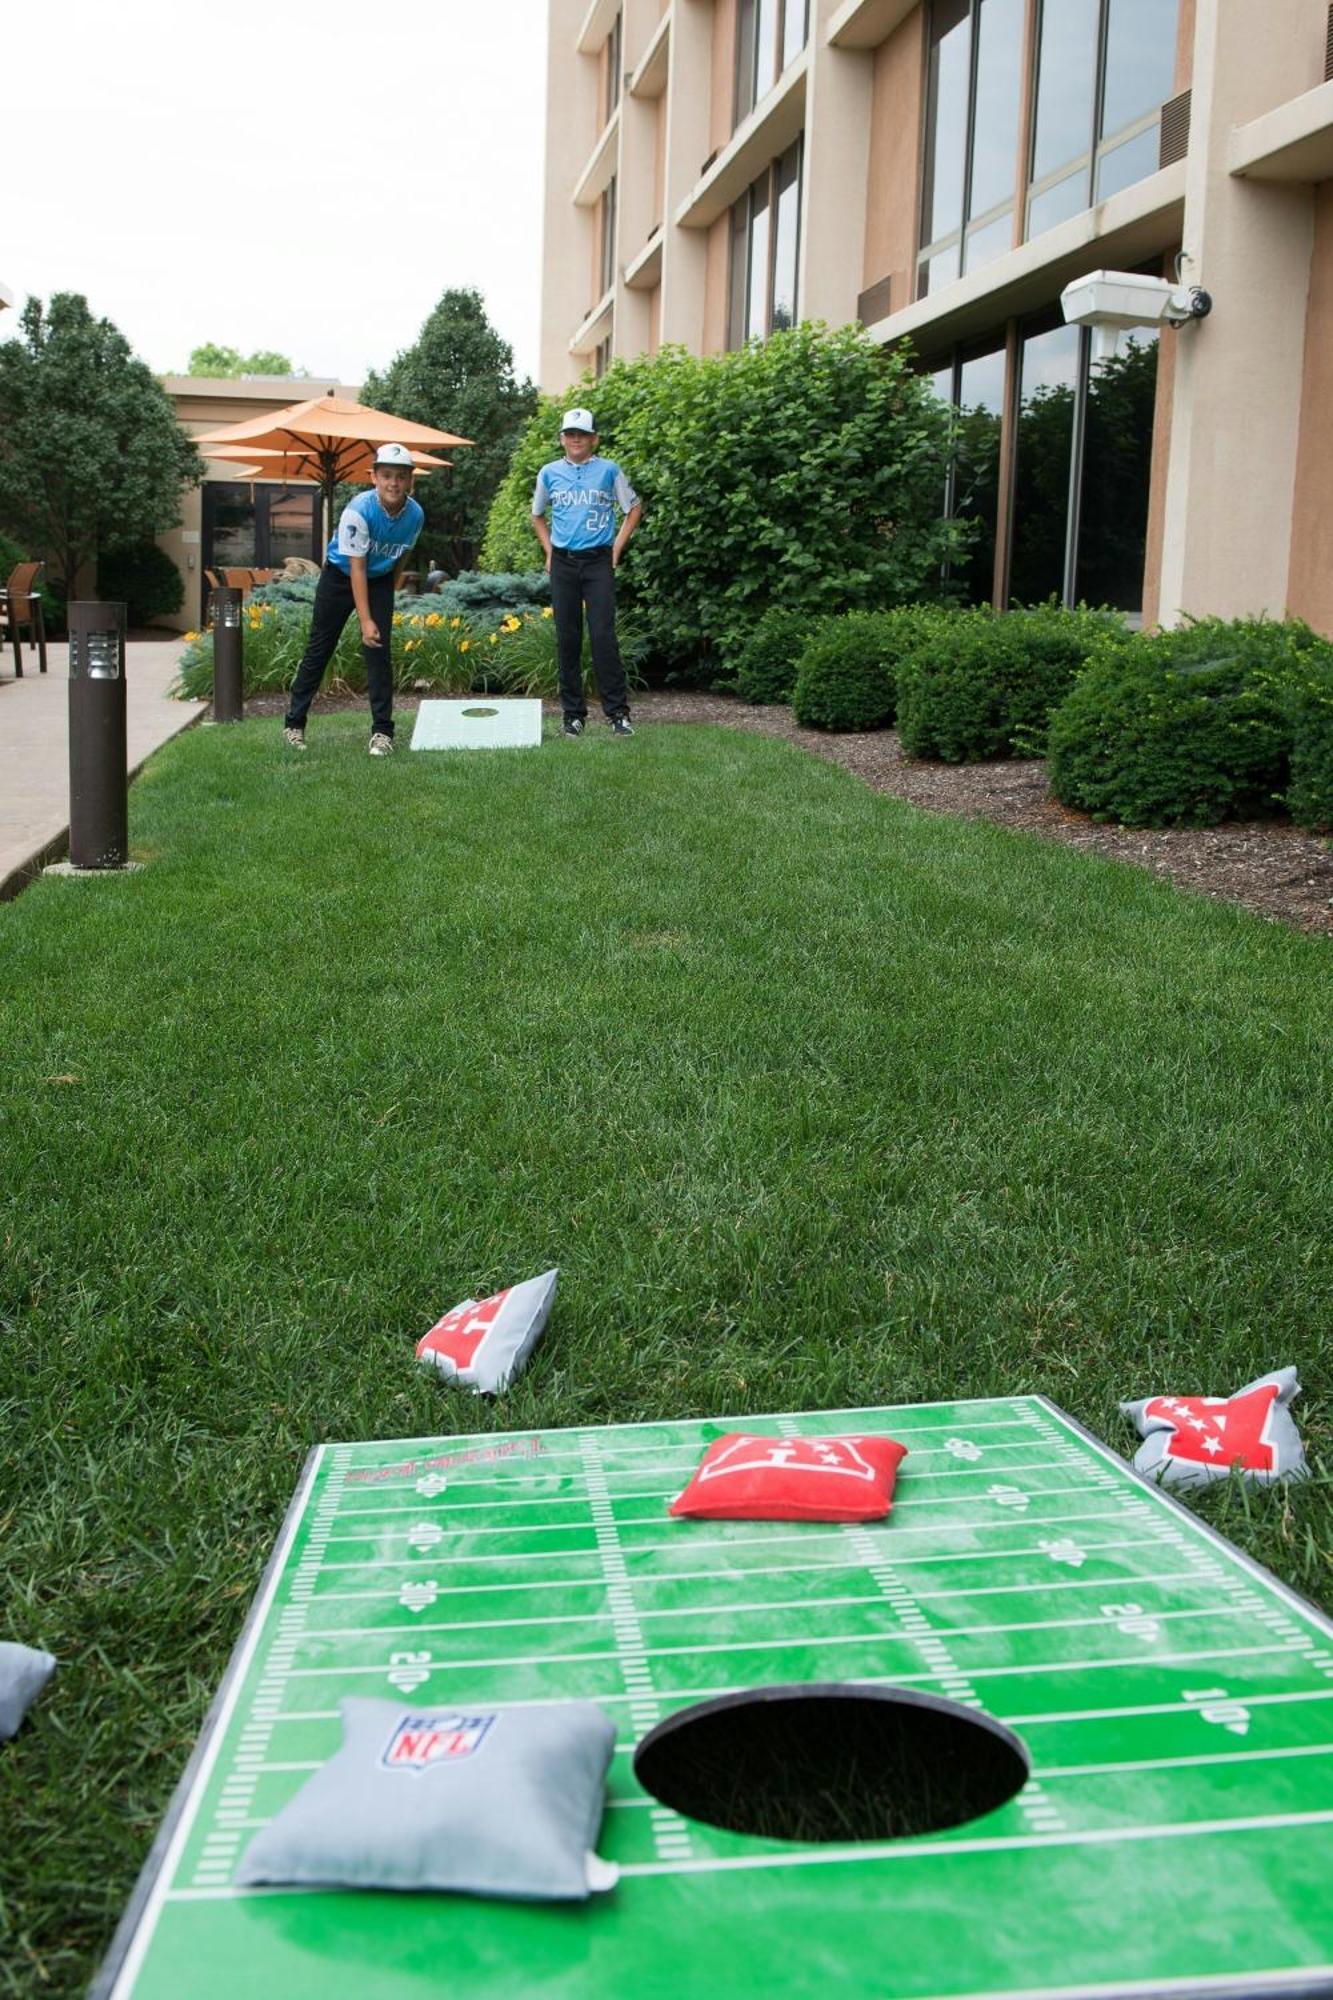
[
  {"x": 454, "y": 624},
  {"x": 547, "y": 611},
  {"x": 434, "y": 618},
  {"x": 416, "y": 622},
  {"x": 494, "y": 638},
  {"x": 463, "y": 645},
  {"x": 190, "y": 638},
  {"x": 397, "y": 617}
]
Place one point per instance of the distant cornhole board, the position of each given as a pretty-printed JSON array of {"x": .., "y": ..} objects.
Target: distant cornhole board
[
  {"x": 480, "y": 724},
  {"x": 1167, "y": 1828}
]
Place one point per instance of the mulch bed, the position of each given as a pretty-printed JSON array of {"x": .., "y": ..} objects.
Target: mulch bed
[{"x": 1266, "y": 866}]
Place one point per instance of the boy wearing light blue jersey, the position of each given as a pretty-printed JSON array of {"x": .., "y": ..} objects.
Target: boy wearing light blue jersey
[
  {"x": 364, "y": 561},
  {"x": 581, "y": 492}
]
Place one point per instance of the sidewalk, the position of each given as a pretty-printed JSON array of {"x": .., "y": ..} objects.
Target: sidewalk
[{"x": 34, "y": 747}]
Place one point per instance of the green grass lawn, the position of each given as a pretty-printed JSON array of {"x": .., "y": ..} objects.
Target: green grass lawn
[{"x": 815, "y": 1100}]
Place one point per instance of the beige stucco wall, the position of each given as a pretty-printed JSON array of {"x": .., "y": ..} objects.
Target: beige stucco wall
[
  {"x": 1310, "y": 582},
  {"x": 722, "y": 78},
  {"x": 1237, "y": 392},
  {"x": 893, "y": 169}
]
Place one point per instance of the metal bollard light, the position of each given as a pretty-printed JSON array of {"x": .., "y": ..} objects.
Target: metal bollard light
[
  {"x": 99, "y": 835},
  {"x": 224, "y": 614}
]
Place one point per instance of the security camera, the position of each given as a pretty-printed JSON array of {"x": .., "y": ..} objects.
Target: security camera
[{"x": 1110, "y": 302}]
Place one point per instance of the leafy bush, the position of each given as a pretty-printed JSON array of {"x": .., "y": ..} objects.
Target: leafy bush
[
  {"x": 427, "y": 652},
  {"x": 1311, "y": 795},
  {"x": 803, "y": 471},
  {"x": 844, "y": 679},
  {"x": 143, "y": 578},
  {"x": 766, "y": 665},
  {"x": 986, "y": 686},
  {"x": 484, "y": 598},
  {"x": 1187, "y": 727},
  {"x": 520, "y": 657}
]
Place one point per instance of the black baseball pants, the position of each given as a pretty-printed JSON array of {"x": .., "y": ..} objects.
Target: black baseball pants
[
  {"x": 334, "y": 605},
  {"x": 582, "y": 577}
]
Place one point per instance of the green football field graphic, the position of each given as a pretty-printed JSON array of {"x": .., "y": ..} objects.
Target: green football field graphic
[{"x": 1176, "y": 1702}]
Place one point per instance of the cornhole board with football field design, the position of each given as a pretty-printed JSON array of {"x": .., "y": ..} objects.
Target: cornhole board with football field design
[{"x": 1175, "y": 1700}]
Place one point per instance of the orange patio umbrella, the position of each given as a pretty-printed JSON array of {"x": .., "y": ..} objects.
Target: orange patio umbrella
[
  {"x": 296, "y": 468},
  {"x": 330, "y": 434}
]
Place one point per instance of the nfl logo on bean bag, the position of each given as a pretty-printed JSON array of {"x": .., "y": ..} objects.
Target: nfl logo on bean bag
[
  {"x": 483, "y": 1343},
  {"x": 1189, "y": 1440},
  {"x": 746, "y": 1478}
]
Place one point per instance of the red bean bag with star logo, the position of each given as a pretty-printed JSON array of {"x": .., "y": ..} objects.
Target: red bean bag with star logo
[
  {"x": 742, "y": 1477},
  {"x": 1190, "y": 1440}
]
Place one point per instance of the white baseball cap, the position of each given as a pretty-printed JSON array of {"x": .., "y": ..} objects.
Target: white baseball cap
[
  {"x": 577, "y": 420},
  {"x": 394, "y": 454}
]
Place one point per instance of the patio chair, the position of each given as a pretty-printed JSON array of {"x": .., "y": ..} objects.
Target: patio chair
[{"x": 20, "y": 605}]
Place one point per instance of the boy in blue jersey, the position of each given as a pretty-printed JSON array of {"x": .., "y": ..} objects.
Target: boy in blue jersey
[
  {"x": 362, "y": 567},
  {"x": 583, "y": 550}
]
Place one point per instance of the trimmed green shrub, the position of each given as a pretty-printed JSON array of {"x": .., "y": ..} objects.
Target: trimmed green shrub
[
  {"x": 843, "y": 678},
  {"x": 1311, "y": 795},
  {"x": 805, "y": 470},
  {"x": 1187, "y": 727},
  {"x": 767, "y": 662},
  {"x": 143, "y": 578},
  {"x": 986, "y": 685}
]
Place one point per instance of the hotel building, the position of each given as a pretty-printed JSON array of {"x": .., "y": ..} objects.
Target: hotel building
[{"x": 939, "y": 170}]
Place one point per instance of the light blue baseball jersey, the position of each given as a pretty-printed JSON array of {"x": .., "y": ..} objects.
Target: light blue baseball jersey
[
  {"x": 582, "y": 500},
  {"x": 364, "y": 529}
]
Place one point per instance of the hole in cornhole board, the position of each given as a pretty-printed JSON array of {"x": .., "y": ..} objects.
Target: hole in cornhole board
[
  {"x": 475, "y": 714},
  {"x": 831, "y": 1761}
]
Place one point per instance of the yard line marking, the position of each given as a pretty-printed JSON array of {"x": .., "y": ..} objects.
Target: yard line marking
[
  {"x": 1183, "y": 1763},
  {"x": 1057, "y": 1716},
  {"x": 942, "y": 1849},
  {"x": 749, "y": 1569}
]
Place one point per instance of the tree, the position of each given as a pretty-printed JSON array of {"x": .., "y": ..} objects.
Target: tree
[
  {"x": 220, "y": 363},
  {"x": 458, "y": 376},
  {"x": 803, "y": 471},
  {"x": 91, "y": 454}
]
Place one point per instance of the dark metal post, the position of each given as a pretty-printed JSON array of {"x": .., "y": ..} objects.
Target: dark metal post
[
  {"x": 224, "y": 614},
  {"x": 98, "y": 786}
]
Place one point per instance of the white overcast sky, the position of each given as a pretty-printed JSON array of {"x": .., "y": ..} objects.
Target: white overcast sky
[{"x": 300, "y": 176}]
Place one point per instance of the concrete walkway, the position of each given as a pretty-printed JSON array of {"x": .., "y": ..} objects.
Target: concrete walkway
[{"x": 34, "y": 747}]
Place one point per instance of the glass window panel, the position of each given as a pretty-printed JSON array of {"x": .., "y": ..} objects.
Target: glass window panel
[
  {"x": 756, "y": 311},
  {"x": 946, "y": 119},
  {"x": 740, "y": 244},
  {"x": 1041, "y": 487},
  {"x": 939, "y": 270},
  {"x": 1133, "y": 160},
  {"x": 785, "y": 238},
  {"x": 608, "y": 269},
  {"x": 1117, "y": 464},
  {"x": 794, "y": 29},
  {"x": 984, "y": 245},
  {"x": 613, "y": 68},
  {"x": 942, "y": 383},
  {"x": 233, "y": 527},
  {"x": 998, "y": 87},
  {"x": 1140, "y": 60},
  {"x": 765, "y": 46},
  {"x": 1066, "y": 75},
  {"x": 291, "y": 523},
  {"x": 1058, "y": 203},
  {"x": 976, "y": 481}
]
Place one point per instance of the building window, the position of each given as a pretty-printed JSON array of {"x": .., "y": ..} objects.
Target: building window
[
  {"x": 765, "y": 249},
  {"x": 607, "y": 269},
  {"x": 973, "y": 90},
  {"x": 611, "y": 94},
  {"x": 769, "y": 35},
  {"x": 1082, "y": 473},
  {"x": 601, "y": 359},
  {"x": 1104, "y": 70},
  {"x": 974, "y": 384}
]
